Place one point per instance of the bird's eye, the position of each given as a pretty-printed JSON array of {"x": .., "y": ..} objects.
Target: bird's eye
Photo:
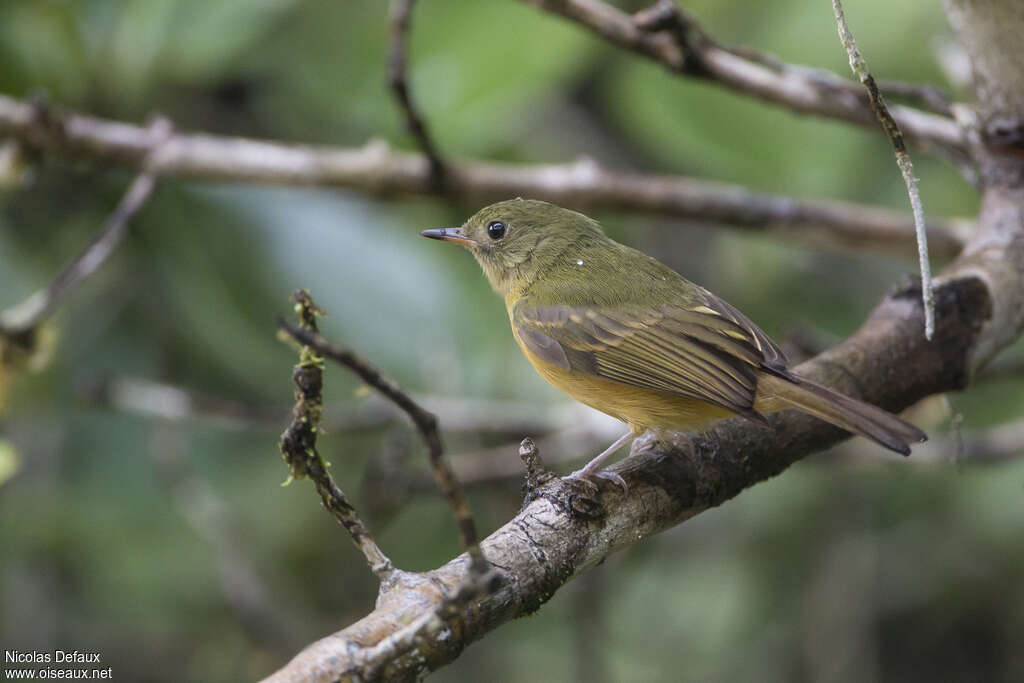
[{"x": 496, "y": 230}]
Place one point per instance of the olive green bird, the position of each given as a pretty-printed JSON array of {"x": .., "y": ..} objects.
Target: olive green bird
[{"x": 627, "y": 335}]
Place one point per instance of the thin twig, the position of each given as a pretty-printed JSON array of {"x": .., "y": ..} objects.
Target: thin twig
[
  {"x": 426, "y": 424},
  {"x": 298, "y": 443},
  {"x": 401, "y": 17},
  {"x": 23, "y": 318},
  {"x": 375, "y": 169},
  {"x": 536, "y": 473},
  {"x": 691, "y": 53},
  {"x": 892, "y": 129}
]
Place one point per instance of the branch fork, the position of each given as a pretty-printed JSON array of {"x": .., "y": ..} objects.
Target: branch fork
[{"x": 298, "y": 445}]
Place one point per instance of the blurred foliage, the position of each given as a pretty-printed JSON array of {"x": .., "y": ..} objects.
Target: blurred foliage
[{"x": 842, "y": 569}]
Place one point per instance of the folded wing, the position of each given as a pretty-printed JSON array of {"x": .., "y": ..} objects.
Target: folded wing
[{"x": 706, "y": 351}]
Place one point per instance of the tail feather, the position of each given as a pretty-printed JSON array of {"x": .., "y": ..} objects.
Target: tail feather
[{"x": 780, "y": 392}]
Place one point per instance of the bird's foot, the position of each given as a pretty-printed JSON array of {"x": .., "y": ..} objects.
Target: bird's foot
[
  {"x": 591, "y": 469},
  {"x": 585, "y": 475}
]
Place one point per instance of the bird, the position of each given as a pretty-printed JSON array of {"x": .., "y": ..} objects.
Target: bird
[{"x": 627, "y": 335}]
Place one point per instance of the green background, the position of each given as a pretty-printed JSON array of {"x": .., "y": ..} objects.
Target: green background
[{"x": 169, "y": 545}]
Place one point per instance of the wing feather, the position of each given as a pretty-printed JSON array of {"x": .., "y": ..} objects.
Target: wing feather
[
  {"x": 708, "y": 351},
  {"x": 772, "y": 355}
]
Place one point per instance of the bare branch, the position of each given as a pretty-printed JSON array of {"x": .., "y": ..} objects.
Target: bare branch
[
  {"x": 892, "y": 129},
  {"x": 668, "y": 36},
  {"x": 22, "y": 319},
  {"x": 298, "y": 444},
  {"x": 425, "y": 422},
  {"x": 377, "y": 170},
  {"x": 401, "y": 16}
]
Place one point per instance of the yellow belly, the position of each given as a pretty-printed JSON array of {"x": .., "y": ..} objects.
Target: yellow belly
[{"x": 639, "y": 408}]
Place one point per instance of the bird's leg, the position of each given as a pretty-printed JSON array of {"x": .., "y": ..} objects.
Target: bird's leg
[
  {"x": 591, "y": 468},
  {"x": 644, "y": 441}
]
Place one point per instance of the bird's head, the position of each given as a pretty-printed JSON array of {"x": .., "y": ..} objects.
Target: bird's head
[{"x": 517, "y": 240}]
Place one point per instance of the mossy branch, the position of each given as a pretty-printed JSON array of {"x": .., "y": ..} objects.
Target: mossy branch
[{"x": 298, "y": 442}]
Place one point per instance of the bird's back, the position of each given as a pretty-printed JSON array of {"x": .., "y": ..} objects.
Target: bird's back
[{"x": 581, "y": 277}]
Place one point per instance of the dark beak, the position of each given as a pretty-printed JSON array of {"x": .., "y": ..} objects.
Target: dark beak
[{"x": 449, "y": 235}]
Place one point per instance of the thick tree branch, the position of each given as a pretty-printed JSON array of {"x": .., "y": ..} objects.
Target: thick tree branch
[
  {"x": 989, "y": 31},
  {"x": 377, "y": 170},
  {"x": 672, "y": 38}
]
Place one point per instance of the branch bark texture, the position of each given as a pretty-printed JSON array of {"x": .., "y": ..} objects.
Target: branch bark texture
[{"x": 989, "y": 31}]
